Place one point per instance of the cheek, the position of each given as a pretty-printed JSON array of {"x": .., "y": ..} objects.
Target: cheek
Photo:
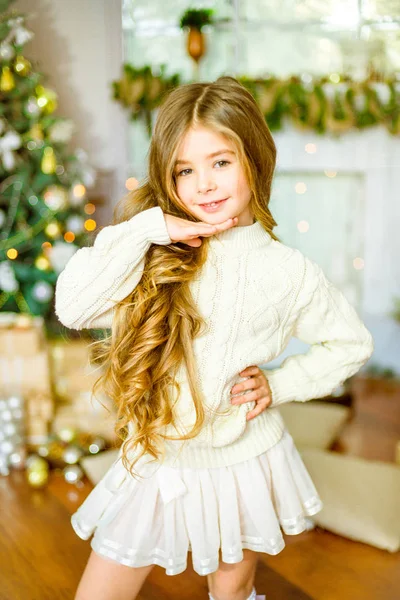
[
  {"x": 241, "y": 185},
  {"x": 183, "y": 188}
]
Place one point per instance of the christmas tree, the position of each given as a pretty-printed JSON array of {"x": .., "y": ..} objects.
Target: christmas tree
[{"x": 44, "y": 214}]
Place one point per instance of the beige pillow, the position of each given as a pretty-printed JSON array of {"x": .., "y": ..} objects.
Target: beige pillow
[
  {"x": 96, "y": 466},
  {"x": 361, "y": 497},
  {"x": 314, "y": 424}
]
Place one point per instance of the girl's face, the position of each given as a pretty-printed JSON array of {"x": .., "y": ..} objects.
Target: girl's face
[{"x": 208, "y": 171}]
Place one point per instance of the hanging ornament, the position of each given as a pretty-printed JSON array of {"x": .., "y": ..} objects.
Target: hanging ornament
[
  {"x": 49, "y": 163},
  {"x": 22, "y": 66},
  {"x": 9, "y": 142},
  {"x": 37, "y": 471},
  {"x": 36, "y": 132},
  {"x": 56, "y": 197},
  {"x": 46, "y": 99},
  {"x": 42, "y": 291},
  {"x": 7, "y": 82},
  {"x": 6, "y": 51},
  {"x": 196, "y": 45}
]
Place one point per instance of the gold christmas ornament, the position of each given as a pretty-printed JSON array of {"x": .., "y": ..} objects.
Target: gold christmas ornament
[
  {"x": 36, "y": 132},
  {"x": 46, "y": 99},
  {"x": 49, "y": 163},
  {"x": 37, "y": 471},
  {"x": 22, "y": 66},
  {"x": 7, "y": 82},
  {"x": 37, "y": 478},
  {"x": 196, "y": 44},
  {"x": 37, "y": 463}
]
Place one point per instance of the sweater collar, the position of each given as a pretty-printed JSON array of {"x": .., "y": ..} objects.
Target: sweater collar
[{"x": 245, "y": 237}]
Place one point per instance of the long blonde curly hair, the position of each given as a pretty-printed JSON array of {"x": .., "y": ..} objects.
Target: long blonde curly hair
[{"x": 154, "y": 326}]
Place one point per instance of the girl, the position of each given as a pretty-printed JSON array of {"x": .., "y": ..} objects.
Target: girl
[{"x": 198, "y": 293}]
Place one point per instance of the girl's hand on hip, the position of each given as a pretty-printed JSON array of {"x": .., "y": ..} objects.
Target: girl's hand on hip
[
  {"x": 189, "y": 232},
  {"x": 261, "y": 392}
]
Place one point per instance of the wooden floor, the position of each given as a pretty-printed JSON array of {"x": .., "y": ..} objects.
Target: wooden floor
[{"x": 42, "y": 559}]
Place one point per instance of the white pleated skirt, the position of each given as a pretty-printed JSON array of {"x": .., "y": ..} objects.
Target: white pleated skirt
[{"x": 213, "y": 512}]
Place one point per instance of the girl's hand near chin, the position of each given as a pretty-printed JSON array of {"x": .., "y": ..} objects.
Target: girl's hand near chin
[
  {"x": 190, "y": 233},
  {"x": 261, "y": 392}
]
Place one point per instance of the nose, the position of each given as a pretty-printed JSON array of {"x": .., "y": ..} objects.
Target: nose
[{"x": 205, "y": 184}]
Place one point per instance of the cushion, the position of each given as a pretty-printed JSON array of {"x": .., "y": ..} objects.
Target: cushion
[
  {"x": 96, "y": 466},
  {"x": 361, "y": 497},
  {"x": 314, "y": 424}
]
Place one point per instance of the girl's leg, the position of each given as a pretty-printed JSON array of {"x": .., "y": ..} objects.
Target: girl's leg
[
  {"x": 234, "y": 581},
  {"x": 106, "y": 580}
]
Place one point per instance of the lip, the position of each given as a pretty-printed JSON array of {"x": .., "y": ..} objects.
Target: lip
[
  {"x": 219, "y": 204},
  {"x": 213, "y": 201}
]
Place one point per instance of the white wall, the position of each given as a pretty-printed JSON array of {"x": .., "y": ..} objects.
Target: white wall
[{"x": 78, "y": 46}]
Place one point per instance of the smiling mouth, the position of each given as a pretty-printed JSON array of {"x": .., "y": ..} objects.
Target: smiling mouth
[{"x": 213, "y": 203}]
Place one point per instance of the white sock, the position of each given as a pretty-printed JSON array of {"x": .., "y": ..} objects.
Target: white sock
[{"x": 253, "y": 596}]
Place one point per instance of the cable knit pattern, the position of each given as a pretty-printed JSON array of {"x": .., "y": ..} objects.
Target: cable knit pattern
[{"x": 255, "y": 294}]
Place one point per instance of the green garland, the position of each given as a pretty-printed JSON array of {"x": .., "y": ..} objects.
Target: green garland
[
  {"x": 141, "y": 91},
  {"x": 332, "y": 104}
]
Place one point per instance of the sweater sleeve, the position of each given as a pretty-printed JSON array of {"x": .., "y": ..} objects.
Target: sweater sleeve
[
  {"x": 96, "y": 278},
  {"x": 340, "y": 343}
]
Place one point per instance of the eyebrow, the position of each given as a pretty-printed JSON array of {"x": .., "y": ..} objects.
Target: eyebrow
[{"x": 224, "y": 151}]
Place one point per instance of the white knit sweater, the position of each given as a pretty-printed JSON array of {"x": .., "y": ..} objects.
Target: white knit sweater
[{"x": 255, "y": 294}]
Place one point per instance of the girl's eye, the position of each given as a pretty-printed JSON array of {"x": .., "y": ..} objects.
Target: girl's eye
[{"x": 184, "y": 172}]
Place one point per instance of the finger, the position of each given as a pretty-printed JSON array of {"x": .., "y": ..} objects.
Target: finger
[
  {"x": 252, "y": 370},
  {"x": 256, "y": 411},
  {"x": 249, "y": 384},
  {"x": 249, "y": 397},
  {"x": 195, "y": 242}
]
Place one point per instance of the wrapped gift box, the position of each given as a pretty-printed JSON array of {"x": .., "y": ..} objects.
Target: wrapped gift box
[
  {"x": 21, "y": 335},
  {"x": 25, "y": 370},
  {"x": 73, "y": 378}
]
